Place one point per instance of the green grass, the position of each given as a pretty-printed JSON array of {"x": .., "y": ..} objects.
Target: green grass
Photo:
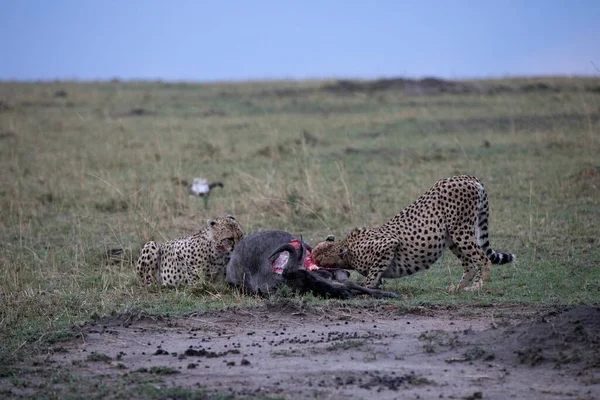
[
  {"x": 64, "y": 384},
  {"x": 80, "y": 177},
  {"x": 159, "y": 370},
  {"x": 98, "y": 357},
  {"x": 345, "y": 345}
]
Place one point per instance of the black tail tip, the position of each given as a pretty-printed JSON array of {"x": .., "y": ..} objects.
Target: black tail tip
[
  {"x": 213, "y": 185},
  {"x": 502, "y": 258}
]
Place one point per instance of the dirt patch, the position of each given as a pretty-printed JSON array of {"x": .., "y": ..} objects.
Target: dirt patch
[
  {"x": 212, "y": 112},
  {"x": 7, "y": 134},
  {"x": 586, "y": 182},
  {"x": 387, "y": 352},
  {"x": 377, "y": 152},
  {"x": 136, "y": 112},
  {"x": 61, "y": 93},
  {"x": 588, "y": 173},
  {"x": 289, "y": 146},
  {"x": 4, "y": 106}
]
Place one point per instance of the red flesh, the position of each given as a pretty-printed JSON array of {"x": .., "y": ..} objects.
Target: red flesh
[{"x": 309, "y": 264}]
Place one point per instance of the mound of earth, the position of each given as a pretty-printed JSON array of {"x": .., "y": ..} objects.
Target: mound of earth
[{"x": 569, "y": 338}]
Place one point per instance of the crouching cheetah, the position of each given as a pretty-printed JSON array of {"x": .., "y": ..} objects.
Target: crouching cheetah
[
  {"x": 181, "y": 261},
  {"x": 452, "y": 214}
]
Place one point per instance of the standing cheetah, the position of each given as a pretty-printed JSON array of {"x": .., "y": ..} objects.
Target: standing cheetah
[
  {"x": 183, "y": 260},
  {"x": 452, "y": 214}
]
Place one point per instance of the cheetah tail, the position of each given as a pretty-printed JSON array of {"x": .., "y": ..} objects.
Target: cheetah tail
[
  {"x": 499, "y": 258},
  {"x": 481, "y": 229}
]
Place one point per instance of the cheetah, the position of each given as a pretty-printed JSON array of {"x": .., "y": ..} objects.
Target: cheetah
[
  {"x": 183, "y": 260},
  {"x": 452, "y": 214}
]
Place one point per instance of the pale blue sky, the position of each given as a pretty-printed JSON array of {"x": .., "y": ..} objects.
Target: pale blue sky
[{"x": 238, "y": 40}]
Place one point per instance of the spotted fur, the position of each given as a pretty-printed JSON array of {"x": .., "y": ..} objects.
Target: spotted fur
[
  {"x": 453, "y": 214},
  {"x": 184, "y": 260}
]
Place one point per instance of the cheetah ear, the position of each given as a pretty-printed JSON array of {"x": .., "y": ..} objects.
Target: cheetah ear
[
  {"x": 330, "y": 238},
  {"x": 211, "y": 222},
  {"x": 230, "y": 216}
]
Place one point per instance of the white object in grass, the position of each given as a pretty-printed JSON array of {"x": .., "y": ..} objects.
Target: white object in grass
[{"x": 200, "y": 186}]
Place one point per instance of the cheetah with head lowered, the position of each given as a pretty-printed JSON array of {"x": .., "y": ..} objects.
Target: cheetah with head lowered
[
  {"x": 452, "y": 214},
  {"x": 181, "y": 261}
]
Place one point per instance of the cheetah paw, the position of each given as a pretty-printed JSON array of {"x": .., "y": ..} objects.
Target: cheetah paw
[
  {"x": 453, "y": 288},
  {"x": 474, "y": 287}
]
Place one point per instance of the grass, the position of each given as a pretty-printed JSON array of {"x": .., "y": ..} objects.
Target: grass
[
  {"x": 64, "y": 384},
  {"x": 98, "y": 357},
  {"x": 87, "y": 173},
  {"x": 345, "y": 345},
  {"x": 159, "y": 370}
]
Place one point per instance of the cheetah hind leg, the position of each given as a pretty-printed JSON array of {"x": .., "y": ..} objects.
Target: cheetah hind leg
[
  {"x": 481, "y": 275},
  {"x": 148, "y": 262},
  {"x": 476, "y": 283},
  {"x": 476, "y": 269}
]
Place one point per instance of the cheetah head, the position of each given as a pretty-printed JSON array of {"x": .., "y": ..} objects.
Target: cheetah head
[
  {"x": 226, "y": 233},
  {"x": 329, "y": 254}
]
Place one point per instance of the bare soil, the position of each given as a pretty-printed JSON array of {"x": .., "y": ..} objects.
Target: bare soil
[{"x": 293, "y": 351}]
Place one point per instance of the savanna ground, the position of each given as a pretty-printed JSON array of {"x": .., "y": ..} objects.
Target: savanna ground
[{"x": 91, "y": 171}]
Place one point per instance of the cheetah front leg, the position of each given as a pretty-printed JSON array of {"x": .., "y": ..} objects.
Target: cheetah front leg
[
  {"x": 375, "y": 269},
  {"x": 373, "y": 280}
]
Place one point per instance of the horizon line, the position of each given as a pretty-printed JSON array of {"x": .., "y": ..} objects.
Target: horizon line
[{"x": 116, "y": 79}]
